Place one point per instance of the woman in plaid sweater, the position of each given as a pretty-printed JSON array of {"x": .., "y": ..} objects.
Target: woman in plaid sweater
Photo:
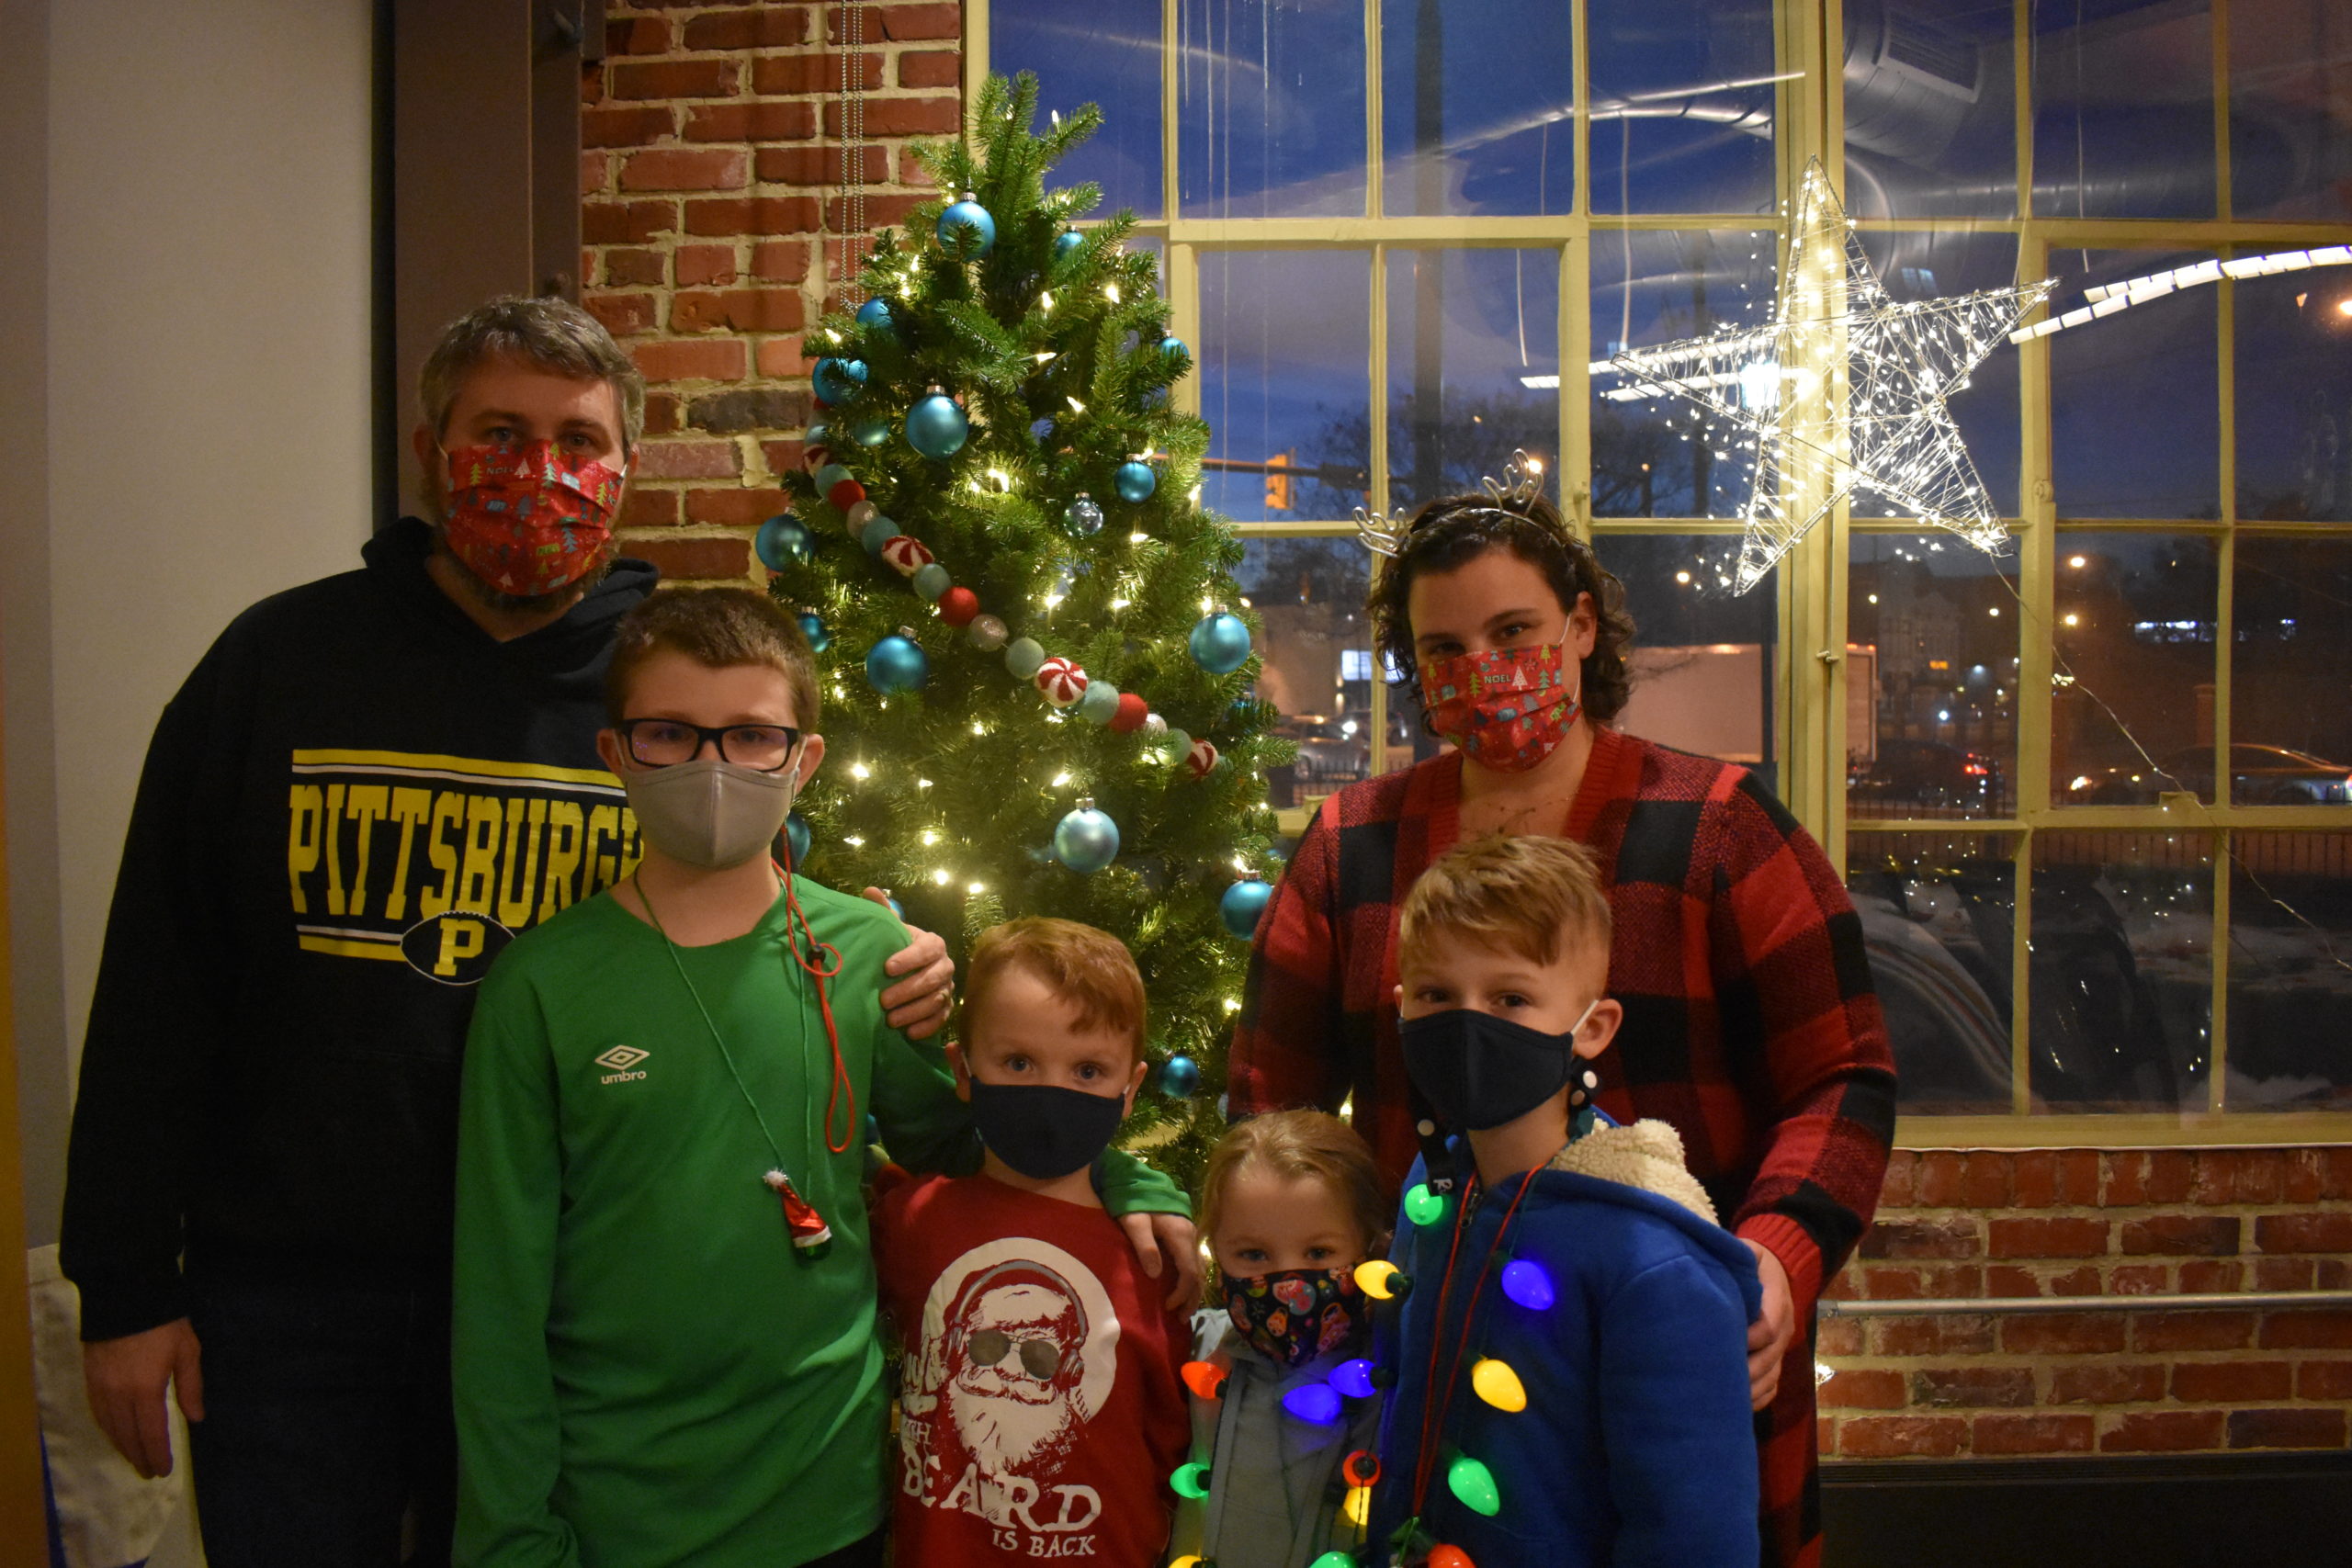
[{"x": 1750, "y": 1024}]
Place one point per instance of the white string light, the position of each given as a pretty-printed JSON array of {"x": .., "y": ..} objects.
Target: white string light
[{"x": 2107, "y": 298}]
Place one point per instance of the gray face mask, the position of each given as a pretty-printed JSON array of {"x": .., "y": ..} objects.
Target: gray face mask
[{"x": 710, "y": 813}]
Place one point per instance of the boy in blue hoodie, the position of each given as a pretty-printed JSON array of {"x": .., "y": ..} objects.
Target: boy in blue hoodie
[{"x": 1570, "y": 1363}]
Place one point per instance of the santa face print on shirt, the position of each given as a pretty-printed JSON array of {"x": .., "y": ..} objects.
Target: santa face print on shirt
[{"x": 1019, "y": 1351}]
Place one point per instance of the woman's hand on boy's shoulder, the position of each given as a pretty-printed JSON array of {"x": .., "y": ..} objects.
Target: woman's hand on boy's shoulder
[{"x": 917, "y": 1006}]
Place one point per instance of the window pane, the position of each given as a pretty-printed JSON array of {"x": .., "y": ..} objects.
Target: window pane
[
  {"x": 2136, "y": 615},
  {"x": 1317, "y": 651},
  {"x": 1285, "y": 356},
  {"x": 2124, "y": 109},
  {"x": 2135, "y": 421},
  {"x": 2290, "y": 116},
  {"x": 2294, "y": 396},
  {"x": 1467, "y": 330},
  {"x": 1703, "y": 663},
  {"x": 1938, "y": 917},
  {"x": 1094, "y": 51},
  {"x": 1681, "y": 120},
  {"x": 1919, "y": 266},
  {"x": 2289, "y": 986},
  {"x": 2122, "y": 971},
  {"x": 1666, "y": 456},
  {"x": 1930, "y": 111},
  {"x": 2290, "y": 675},
  {"x": 1931, "y": 678},
  {"x": 1469, "y": 127},
  {"x": 1271, "y": 109}
]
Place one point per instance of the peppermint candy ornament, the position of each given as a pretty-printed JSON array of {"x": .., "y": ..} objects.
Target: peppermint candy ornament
[
  {"x": 1201, "y": 759},
  {"x": 1062, "y": 681},
  {"x": 907, "y": 554}
]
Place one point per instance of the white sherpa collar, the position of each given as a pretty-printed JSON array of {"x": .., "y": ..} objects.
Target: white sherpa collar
[{"x": 1645, "y": 1155}]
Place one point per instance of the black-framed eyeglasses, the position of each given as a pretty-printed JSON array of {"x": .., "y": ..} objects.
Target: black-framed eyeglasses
[
  {"x": 665, "y": 742},
  {"x": 1040, "y": 1358}
]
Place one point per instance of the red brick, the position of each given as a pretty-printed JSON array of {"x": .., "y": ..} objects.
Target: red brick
[
  {"x": 2078, "y": 1173},
  {"x": 780, "y": 359},
  {"x": 1984, "y": 1182},
  {"x": 930, "y": 68},
  {"x": 1973, "y": 1385},
  {"x": 902, "y": 116},
  {"x": 752, "y": 215},
  {"x": 676, "y": 79},
  {"x": 1961, "y": 1280},
  {"x": 626, "y": 223},
  {"x": 1824, "y": 1434},
  {"x": 750, "y": 122},
  {"x": 699, "y": 359},
  {"x": 2062, "y": 1333},
  {"x": 2212, "y": 1276},
  {"x": 819, "y": 165},
  {"x": 2316, "y": 1232},
  {"x": 1899, "y": 1437},
  {"x": 2045, "y": 1238},
  {"x": 780, "y": 261},
  {"x": 705, "y": 263},
  {"x": 742, "y": 310},
  {"x": 740, "y": 508},
  {"x": 2033, "y": 1434},
  {"x": 2081, "y": 1281},
  {"x": 637, "y": 35},
  {"x": 2336, "y": 1181},
  {"x": 2126, "y": 1180},
  {"x": 2283, "y": 1273},
  {"x": 2305, "y": 1176},
  {"x": 2317, "y": 1329},
  {"x": 1895, "y": 1188},
  {"x": 2333, "y": 1274},
  {"x": 1954, "y": 1336},
  {"x": 1840, "y": 1287},
  {"x": 2163, "y": 1431},
  {"x": 662, "y": 413},
  {"x": 2107, "y": 1384},
  {"x": 1834, "y": 1336},
  {"x": 2033, "y": 1178},
  {"x": 1921, "y": 1238},
  {"x": 595, "y": 172},
  {"x": 623, "y": 315},
  {"x": 2230, "y": 1383},
  {"x": 2171, "y": 1174},
  {"x": 631, "y": 125},
  {"x": 2191, "y": 1330},
  {"x": 1890, "y": 1284},
  {"x": 643, "y": 268},
  {"x": 2141, "y": 1279},
  {"x": 2324, "y": 1379},
  {"x": 2257, "y": 1176},
  {"x": 1937, "y": 1182},
  {"x": 2007, "y": 1280},
  {"x": 592, "y": 85},
  {"x": 2209, "y": 1235},
  {"x": 644, "y": 508},
  {"x": 817, "y": 73},
  {"x": 940, "y": 19},
  {"x": 680, "y": 559},
  {"x": 1871, "y": 1390},
  {"x": 689, "y": 460},
  {"x": 685, "y": 168},
  {"x": 769, "y": 27},
  {"x": 911, "y": 172},
  {"x": 2287, "y": 1428}
]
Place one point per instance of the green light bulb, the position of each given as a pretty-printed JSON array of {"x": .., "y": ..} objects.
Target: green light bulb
[
  {"x": 1475, "y": 1484},
  {"x": 1193, "y": 1481},
  {"x": 1334, "y": 1560},
  {"x": 1424, "y": 1207}
]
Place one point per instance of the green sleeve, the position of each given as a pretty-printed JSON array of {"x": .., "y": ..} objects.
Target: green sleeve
[
  {"x": 1131, "y": 1186},
  {"x": 509, "y": 1190},
  {"x": 924, "y": 1126}
]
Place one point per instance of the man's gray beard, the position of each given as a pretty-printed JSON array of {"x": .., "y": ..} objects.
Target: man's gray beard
[
  {"x": 1000, "y": 1450},
  {"x": 498, "y": 599}
]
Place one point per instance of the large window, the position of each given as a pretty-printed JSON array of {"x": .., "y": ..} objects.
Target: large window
[{"x": 2092, "y": 795}]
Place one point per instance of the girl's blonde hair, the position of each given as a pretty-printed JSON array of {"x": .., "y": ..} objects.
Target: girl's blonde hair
[{"x": 1295, "y": 1143}]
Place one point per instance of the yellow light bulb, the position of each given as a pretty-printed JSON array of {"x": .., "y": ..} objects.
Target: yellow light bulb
[
  {"x": 1358, "y": 1507},
  {"x": 860, "y": 772},
  {"x": 1495, "y": 1382},
  {"x": 1377, "y": 1278},
  {"x": 940, "y": 876}
]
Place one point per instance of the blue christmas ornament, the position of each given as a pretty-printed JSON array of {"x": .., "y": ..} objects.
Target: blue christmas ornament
[
  {"x": 877, "y": 534},
  {"x": 1136, "y": 481},
  {"x": 1221, "y": 643},
  {"x": 813, "y": 627},
  {"x": 897, "y": 664},
  {"x": 1065, "y": 244},
  {"x": 1084, "y": 517},
  {"x": 818, "y": 435},
  {"x": 1316, "y": 1403},
  {"x": 1173, "y": 348},
  {"x": 968, "y": 223},
  {"x": 796, "y": 837},
  {"x": 1242, "y": 903},
  {"x": 1025, "y": 657},
  {"x": 830, "y": 475},
  {"x": 839, "y": 380},
  {"x": 875, "y": 312},
  {"x": 1178, "y": 1076},
  {"x": 932, "y": 581},
  {"x": 1526, "y": 1283},
  {"x": 897, "y": 909},
  {"x": 1353, "y": 1379},
  {"x": 783, "y": 541},
  {"x": 1086, "y": 841},
  {"x": 1100, "y": 702},
  {"x": 870, "y": 430},
  {"x": 936, "y": 427}
]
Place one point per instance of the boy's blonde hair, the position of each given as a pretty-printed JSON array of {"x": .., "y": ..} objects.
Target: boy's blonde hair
[
  {"x": 718, "y": 628},
  {"x": 1295, "y": 1143},
  {"x": 1088, "y": 968},
  {"x": 1523, "y": 892}
]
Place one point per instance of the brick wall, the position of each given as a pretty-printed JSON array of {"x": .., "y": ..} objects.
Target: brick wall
[
  {"x": 2085, "y": 1223},
  {"x": 710, "y": 176}
]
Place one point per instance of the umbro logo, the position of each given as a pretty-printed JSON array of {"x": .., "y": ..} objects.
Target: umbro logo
[{"x": 621, "y": 1059}]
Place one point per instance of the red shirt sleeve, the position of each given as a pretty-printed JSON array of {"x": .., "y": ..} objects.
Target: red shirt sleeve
[{"x": 1284, "y": 1048}]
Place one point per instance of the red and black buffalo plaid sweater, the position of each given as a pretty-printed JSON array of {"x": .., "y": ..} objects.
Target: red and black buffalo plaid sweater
[{"x": 1750, "y": 1024}]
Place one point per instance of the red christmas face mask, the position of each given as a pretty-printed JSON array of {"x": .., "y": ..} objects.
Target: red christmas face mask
[
  {"x": 1506, "y": 708},
  {"x": 527, "y": 519}
]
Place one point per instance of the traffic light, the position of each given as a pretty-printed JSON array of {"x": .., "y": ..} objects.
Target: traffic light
[{"x": 1278, "y": 482}]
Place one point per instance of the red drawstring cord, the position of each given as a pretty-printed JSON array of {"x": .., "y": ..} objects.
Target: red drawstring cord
[{"x": 811, "y": 955}]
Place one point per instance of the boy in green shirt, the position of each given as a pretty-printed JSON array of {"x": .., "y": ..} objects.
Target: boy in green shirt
[{"x": 663, "y": 1338}]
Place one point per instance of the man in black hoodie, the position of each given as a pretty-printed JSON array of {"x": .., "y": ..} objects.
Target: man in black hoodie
[{"x": 365, "y": 788}]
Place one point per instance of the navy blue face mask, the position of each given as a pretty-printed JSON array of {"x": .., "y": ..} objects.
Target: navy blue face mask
[
  {"x": 1480, "y": 1071},
  {"x": 1043, "y": 1132}
]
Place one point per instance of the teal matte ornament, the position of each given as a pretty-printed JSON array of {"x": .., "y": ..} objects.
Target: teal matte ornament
[
  {"x": 1179, "y": 1077},
  {"x": 830, "y": 475},
  {"x": 967, "y": 227},
  {"x": 1100, "y": 702},
  {"x": 813, "y": 627},
  {"x": 877, "y": 534},
  {"x": 796, "y": 838},
  {"x": 930, "y": 582},
  {"x": 936, "y": 427},
  {"x": 897, "y": 664},
  {"x": 1243, "y": 903},
  {"x": 1024, "y": 658},
  {"x": 876, "y": 312},
  {"x": 869, "y": 431},
  {"x": 839, "y": 380},
  {"x": 783, "y": 541},
  {"x": 816, "y": 437},
  {"x": 1173, "y": 348},
  {"x": 1065, "y": 244},
  {"x": 1136, "y": 481},
  {"x": 1220, "y": 643},
  {"x": 1086, "y": 841}
]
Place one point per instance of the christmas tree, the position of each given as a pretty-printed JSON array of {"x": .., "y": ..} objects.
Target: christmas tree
[{"x": 1036, "y": 665}]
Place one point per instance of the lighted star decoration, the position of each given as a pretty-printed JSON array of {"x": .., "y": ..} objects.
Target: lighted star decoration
[{"x": 1844, "y": 390}]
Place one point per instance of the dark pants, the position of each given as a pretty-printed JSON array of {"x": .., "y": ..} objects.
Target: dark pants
[{"x": 327, "y": 1438}]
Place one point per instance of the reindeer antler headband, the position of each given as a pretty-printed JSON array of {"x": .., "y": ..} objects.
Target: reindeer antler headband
[{"x": 1520, "y": 486}]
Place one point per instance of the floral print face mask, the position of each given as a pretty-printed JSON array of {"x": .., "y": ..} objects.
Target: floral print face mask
[{"x": 1292, "y": 1316}]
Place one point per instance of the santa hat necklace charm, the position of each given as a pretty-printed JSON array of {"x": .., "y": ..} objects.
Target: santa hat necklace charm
[{"x": 811, "y": 1238}]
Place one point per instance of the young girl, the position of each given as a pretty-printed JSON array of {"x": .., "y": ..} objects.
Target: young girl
[{"x": 1283, "y": 1415}]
